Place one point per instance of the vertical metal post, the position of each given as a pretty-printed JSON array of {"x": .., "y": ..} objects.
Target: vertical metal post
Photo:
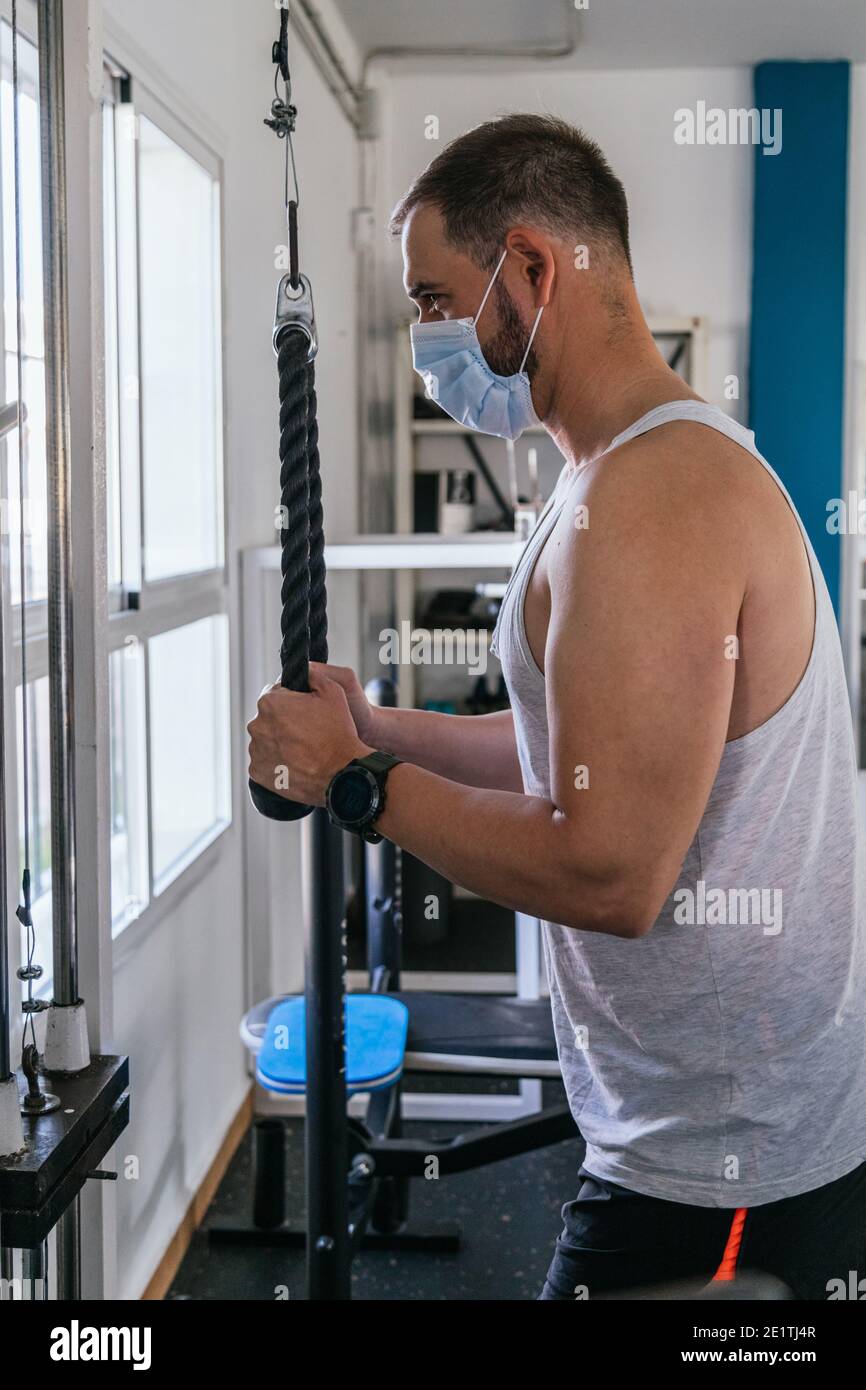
[
  {"x": 11, "y": 1130},
  {"x": 57, "y": 441},
  {"x": 34, "y": 1272},
  {"x": 9, "y": 418},
  {"x": 328, "y": 1260},
  {"x": 384, "y": 915},
  {"x": 269, "y": 1169},
  {"x": 5, "y": 1017},
  {"x": 68, "y": 1253},
  {"x": 55, "y": 262},
  {"x": 381, "y": 874}
]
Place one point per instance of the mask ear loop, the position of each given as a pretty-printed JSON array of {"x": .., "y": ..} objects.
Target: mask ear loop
[
  {"x": 490, "y": 286},
  {"x": 531, "y": 336}
]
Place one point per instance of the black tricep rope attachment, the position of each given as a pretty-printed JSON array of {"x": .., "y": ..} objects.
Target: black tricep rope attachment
[{"x": 304, "y": 621}]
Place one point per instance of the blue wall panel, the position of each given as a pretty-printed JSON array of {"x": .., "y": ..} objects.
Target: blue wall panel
[{"x": 797, "y": 353}]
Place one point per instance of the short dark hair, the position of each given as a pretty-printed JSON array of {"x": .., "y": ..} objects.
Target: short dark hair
[{"x": 521, "y": 168}]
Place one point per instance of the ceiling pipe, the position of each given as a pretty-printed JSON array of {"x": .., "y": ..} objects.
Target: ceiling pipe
[
  {"x": 306, "y": 20},
  {"x": 535, "y": 52},
  {"x": 355, "y": 98}
]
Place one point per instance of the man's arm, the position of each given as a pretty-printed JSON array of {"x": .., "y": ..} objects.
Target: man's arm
[
  {"x": 639, "y": 689},
  {"x": 477, "y": 750}
]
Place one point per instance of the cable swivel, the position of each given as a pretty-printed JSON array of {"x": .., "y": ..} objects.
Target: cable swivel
[{"x": 282, "y": 117}]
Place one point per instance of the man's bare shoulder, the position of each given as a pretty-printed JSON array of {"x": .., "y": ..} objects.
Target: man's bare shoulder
[{"x": 682, "y": 484}]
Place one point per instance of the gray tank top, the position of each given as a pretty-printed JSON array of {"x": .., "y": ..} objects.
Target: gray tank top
[{"x": 720, "y": 1060}]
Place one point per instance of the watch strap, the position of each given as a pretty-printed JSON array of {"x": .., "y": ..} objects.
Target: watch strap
[
  {"x": 380, "y": 765},
  {"x": 377, "y": 762}
]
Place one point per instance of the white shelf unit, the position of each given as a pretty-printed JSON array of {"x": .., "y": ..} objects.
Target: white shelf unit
[
  {"x": 419, "y": 551},
  {"x": 481, "y": 550},
  {"x": 693, "y": 332}
]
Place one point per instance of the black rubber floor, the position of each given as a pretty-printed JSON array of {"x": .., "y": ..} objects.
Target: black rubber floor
[{"x": 509, "y": 1214}]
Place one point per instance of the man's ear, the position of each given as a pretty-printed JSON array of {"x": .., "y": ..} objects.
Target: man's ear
[
  {"x": 536, "y": 253},
  {"x": 536, "y": 270}
]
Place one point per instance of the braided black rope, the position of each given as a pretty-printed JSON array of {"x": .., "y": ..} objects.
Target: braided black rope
[
  {"x": 294, "y": 511},
  {"x": 303, "y": 622},
  {"x": 318, "y": 595}
]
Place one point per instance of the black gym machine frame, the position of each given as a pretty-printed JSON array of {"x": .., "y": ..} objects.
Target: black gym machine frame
[{"x": 356, "y": 1173}]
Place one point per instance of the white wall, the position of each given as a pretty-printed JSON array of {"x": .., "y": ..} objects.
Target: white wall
[
  {"x": 690, "y": 206},
  {"x": 691, "y": 211},
  {"x": 180, "y": 986}
]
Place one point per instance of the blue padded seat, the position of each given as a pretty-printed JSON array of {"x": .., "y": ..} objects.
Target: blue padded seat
[{"x": 376, "y": 1028}]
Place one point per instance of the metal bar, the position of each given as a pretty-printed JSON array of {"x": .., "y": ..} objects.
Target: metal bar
[
  {"x": 440, "y": 1239},
  {"x": 34, "y": 1272},
  {"x": 384, "y": 916},
  {"x": 408, "y": 1157},
  {"x": 506, "y": 512},
  {"x": 328, "y": 1255},
  {"x": 5, "y": 1001},
  {"x": 269, "y": 1173},
  {"x": 5, "y": 1005},
  {"x": 11, "y": 416},
  {"x": 68, "y": 1253},
  {"x": 331, "y": 69},
  {"x": 57, "y": 440}
]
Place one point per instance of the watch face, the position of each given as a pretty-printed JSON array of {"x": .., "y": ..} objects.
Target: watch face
[{"x": 354, "y": 795}]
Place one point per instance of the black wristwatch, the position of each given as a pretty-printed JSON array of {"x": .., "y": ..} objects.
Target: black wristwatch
[{"x": 356, "y": 794}]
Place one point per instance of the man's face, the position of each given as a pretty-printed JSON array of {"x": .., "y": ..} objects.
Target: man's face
[{"x": 445, "y": 284}]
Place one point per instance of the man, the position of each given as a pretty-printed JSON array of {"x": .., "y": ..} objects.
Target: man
[{"x": 674, "y": 789}]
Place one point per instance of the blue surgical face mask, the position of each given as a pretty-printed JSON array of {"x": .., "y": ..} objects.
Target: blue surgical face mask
[{"x": 447, "y": 356}]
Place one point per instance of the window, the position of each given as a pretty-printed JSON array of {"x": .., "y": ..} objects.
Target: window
[
  {"x": 168, "y": 595},
  {"x": 181, "y": 407},
  {"x": 170, "y": 718},
  {"x": 33, "y": 349},
  {"x": 127, "y": 731},
  {"x": 189, "y": 757}
]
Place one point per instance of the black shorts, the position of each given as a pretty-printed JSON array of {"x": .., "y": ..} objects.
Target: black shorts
[{"x": 615, "y": 1239}]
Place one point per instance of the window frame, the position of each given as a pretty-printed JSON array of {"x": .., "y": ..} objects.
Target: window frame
[
  {"x": 143, "y": 103},
  {"x": 155, "y": 606},
  {"x": 137, "y": 608}
]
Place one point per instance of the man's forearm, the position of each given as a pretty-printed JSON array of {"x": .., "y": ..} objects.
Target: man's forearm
[
  {"x": 475, "y": 750},
  {"x": 509, "y": 848}
]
